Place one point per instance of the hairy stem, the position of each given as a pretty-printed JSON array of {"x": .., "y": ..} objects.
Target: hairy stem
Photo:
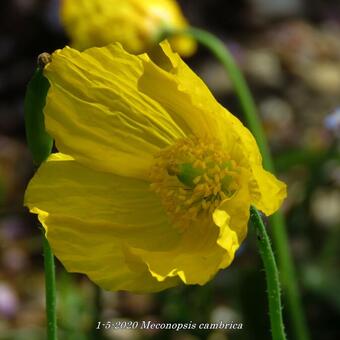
[{"x": 272, "y": 276}]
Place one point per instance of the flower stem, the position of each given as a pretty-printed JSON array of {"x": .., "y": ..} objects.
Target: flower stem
[
  {"x": 280, "y": 238},
  {"x": 50, "y": 291},
  {"x": 272, "y": 276}
]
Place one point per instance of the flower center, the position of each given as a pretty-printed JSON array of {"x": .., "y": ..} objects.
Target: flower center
[{"x": 192, "y": 177}]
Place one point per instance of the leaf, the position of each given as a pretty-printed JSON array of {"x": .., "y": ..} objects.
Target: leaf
[{"x": 38, "y": 140}]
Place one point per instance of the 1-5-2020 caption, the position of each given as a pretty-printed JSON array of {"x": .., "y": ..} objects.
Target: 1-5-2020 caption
[{"x": 148, "y": 324}]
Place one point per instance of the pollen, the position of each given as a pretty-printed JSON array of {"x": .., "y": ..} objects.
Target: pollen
[{"x": 192, "y": 177}]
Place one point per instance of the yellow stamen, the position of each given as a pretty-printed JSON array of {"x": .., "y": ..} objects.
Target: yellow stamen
[{"x": 192, "y": 177}]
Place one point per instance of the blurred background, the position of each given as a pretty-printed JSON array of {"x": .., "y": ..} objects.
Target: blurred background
[{"x": 289, "y": 51}]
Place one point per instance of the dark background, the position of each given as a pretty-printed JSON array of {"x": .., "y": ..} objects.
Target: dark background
[{"x": 290, "y": 53}]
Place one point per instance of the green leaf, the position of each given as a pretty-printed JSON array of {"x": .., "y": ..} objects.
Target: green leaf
[{"x": 39, "y": 142}]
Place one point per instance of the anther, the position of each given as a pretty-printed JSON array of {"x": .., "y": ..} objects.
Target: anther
[{"x": 192, "y": 177}]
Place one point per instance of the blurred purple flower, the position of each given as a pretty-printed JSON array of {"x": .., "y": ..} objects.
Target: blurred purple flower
[
  {"x": 332, "y": 122},
  {"x": 9, "y": 303},
  {"x": 12, "y": 228}
]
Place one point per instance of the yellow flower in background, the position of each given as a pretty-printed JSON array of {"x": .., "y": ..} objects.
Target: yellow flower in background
[
  {"x": 154, "y": 179},
  {"x": 136, "y": 24}
]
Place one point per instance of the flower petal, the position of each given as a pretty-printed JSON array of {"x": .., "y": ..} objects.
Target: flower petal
[
  {"x": 96, "y": 113},
  {"x": 234, "y": 212},
  {"x": 269, "y": 192},
  {"x": 93, "y": 220},
  {"x": 180, "y": 88},
  {"x": 195, "y": 109},
  {"x": 196, "y": 259},
  {"x": 191, "y": 103}
]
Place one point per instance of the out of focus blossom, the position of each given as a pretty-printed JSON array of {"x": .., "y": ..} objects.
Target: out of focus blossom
[
  {"x": 136, "y": 24},
  {"x": 332, "y": 122},
  {"x": 8, "y": 301}
]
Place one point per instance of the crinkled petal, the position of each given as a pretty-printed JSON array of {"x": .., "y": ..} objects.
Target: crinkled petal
[
  {"x": 204, "y": 249},
  {"x": 234, "y": 211},
  {"x": 229, "y": 237},
  {"x": 180, "y": 88},
  {"x": 93, "y": 220},
  {"x": 268, "y": 192},
  {"x": 97, "y": 115},
  {"x": 191, "y": 104}
]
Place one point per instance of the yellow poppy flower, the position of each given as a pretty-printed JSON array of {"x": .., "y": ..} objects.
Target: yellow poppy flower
[
  {"x": 154, "y": 179},
  {"x": 136, "y": 24}
]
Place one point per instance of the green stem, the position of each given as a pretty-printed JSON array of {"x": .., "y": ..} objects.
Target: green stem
[
  {"x": 50, "y": 291},
  {"x": 288, "y": 278},
  {"x": 280, "y": 238},
  {"x": 272, "y": 276}
]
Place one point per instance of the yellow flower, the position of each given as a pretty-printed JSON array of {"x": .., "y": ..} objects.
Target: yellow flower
[
  {"x": 136, "y": 24},
  {"x": 154, "y": 179}
]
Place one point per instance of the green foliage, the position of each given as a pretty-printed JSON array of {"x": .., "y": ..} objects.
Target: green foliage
[
  {"x": 39, "y": 142},
  {"x": 74, "y": 309}
]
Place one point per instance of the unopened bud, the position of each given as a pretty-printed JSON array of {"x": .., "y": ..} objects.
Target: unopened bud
[{"x": 44, "y": 59}]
